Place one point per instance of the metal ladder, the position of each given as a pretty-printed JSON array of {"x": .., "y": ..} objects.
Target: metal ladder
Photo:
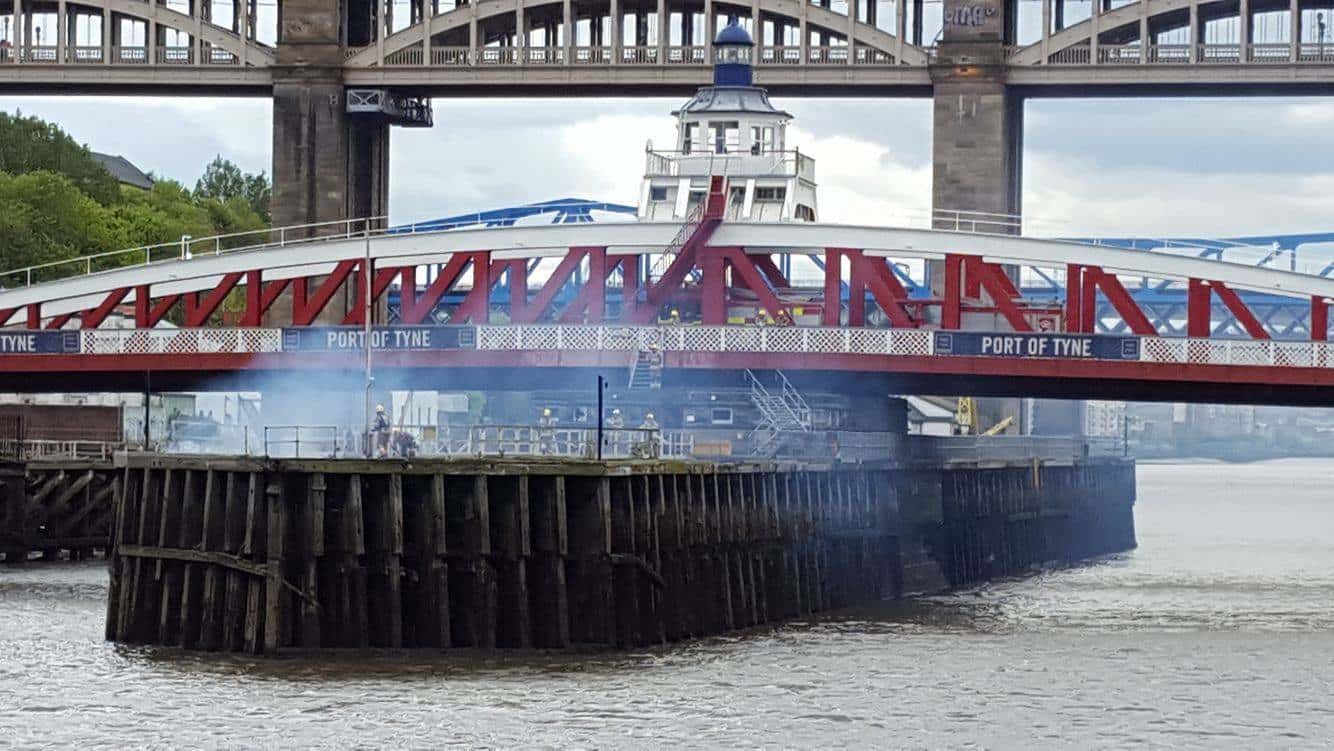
[
  {"x": 646, "y": 371},
  {"x": 783, "y": 412}
]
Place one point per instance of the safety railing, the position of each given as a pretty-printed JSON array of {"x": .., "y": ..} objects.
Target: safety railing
[
  {"x": 301, "y": 441},
  {"x": 497, "y": 56},
  {"x": 686, "y": 55},
  {"x": 600, "y": 55},
  {"x": 36, "y": 450},
  {"x": 188, "y": 436},
  {"x": 780, "y": 55},
  {"x": 982, "y": 222},
  {"x": 629, "y": 55},
  {"x": 737, "y": 161},
  {"x": 981, "y": 449},
  {"x": 83, "y": 54},
  {"x": 639, "y": 55},
  {"x": 1203, "y": 54},
  {"x": 581, "y": 442}
]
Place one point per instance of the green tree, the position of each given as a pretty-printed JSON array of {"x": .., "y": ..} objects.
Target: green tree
[
  {"x": 44, "y": 218},
  {"x": 223, "y": 180},
  {"x": 28, "y": 144}
]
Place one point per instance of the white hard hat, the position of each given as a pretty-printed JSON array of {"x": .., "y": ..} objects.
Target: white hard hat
[
  {"x": 547, "y": 411},
  {"x": 379, "y": 408},
  {"x": 616, "y": 411},
  {"x": 648, "y": 416}
]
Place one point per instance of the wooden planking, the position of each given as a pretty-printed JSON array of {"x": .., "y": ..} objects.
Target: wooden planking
[{"x": 260, "y": 559}]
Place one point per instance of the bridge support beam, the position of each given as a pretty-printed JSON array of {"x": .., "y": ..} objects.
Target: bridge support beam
[
  {"x": 977, "y": 146},
  {"x": 327, "y": 166}
]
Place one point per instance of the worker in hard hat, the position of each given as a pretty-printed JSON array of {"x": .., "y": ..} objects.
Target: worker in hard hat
[
  {"x": 615, "y": 423},
  {"x": 646, "y": 438},
  {"x": 380, "y": 429},
  {"x": 546, "y": 431},
  {"x": 674, "y": 318}
]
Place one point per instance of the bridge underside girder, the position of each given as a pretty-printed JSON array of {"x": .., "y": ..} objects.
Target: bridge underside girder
[{"x": 527, "y": 370}]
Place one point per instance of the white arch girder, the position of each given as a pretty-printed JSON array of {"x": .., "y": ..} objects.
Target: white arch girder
[
  {"x": 255, "y": 53},
  {"x": 462, "y": 16},
  {"x": 318, "y": 257},
  {"x": 1125, "y": 15}
]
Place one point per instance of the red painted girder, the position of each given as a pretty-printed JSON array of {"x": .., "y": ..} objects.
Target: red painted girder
[
  {"x": 148, "y": 313},
  {"x": 383, "y": 278},
  {"x": 197, "y": 311},
  {"x": 476, "y": 305},
  {"x": 540, "y": 306},
  {"x": 260, "y": 296},
  {"x": 1094, "y": 279},
  {"x": 1319, "y": 319},
  {"x": 94, "y": 318},
  {"x": 992, "y": 279},
  {"x": 306, "y": 307},
  {"x": 874, "y": 274},
  {"x": 658, "y": 293},
  {"x": 414, "y": 309},
  {"x": 1239, "y": 310},
  {"x": 1199, "y": 309}
]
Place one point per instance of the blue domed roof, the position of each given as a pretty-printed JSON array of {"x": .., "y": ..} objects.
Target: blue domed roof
[{"x": 733, "y": 33}]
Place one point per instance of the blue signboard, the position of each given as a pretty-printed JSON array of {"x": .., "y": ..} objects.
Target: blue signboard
[
  {"x": 18, "y": 342},
  {"x": 1065, "y": 346},
  {"x": 388, "y": 338}
]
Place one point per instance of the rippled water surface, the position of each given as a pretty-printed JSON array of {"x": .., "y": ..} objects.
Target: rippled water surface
[{"x": 1217, "y": 632}]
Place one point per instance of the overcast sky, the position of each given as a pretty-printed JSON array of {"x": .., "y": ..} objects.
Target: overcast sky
[{"x": 1170, "y": 166}]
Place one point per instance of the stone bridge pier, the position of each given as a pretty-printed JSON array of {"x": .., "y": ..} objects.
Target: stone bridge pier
[
  {"x": 978, "y": 119},
  {"x": 328, "y": 165}
]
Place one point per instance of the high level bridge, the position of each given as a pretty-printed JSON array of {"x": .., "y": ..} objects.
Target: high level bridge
[{"x": 340, "y": 73}]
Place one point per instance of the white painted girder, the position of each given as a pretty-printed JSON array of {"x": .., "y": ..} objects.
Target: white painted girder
[{"x": 318, "y": 257}]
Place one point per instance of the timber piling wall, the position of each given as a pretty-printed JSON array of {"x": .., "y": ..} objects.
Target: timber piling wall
[
  {"x": 239, "y": 554},
  {"x": 56, "y": 507}
]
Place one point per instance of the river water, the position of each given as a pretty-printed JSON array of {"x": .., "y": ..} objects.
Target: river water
[{"x": 1217, "y": 632}]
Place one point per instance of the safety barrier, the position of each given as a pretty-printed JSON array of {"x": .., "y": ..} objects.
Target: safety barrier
[{"x": 30, "y": 450}]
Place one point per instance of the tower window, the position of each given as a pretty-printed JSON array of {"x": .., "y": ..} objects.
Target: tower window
[
  {"x": 690, "y": 138},
  {"x": 726, "y": 136},
  {"x": 770, "y": 194},
  {"x": 657, "y": 193},
  {"x": 761, "y": 139}
]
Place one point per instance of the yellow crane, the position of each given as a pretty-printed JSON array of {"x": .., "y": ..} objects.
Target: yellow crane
[{"x": 966, "y": 421}]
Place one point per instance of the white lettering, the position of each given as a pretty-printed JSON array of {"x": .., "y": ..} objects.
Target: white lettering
[{"x": 18, "y": 342}]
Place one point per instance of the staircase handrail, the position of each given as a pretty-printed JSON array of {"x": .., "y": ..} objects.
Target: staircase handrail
[{"x": 795, "y": 402}]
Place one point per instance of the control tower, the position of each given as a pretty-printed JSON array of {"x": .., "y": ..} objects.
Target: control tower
[{"x": 730, "y": 129}]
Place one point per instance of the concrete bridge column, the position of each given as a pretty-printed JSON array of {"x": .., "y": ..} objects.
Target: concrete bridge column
[
  {"x": 977, "y": 148},
  {"x": 327, "y": 166}
]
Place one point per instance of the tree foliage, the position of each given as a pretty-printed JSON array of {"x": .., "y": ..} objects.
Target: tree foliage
[
  {"x": 58, "y": 203},
  {"x": 28, "y": 144},
  {"x": 224, "y": 181}
]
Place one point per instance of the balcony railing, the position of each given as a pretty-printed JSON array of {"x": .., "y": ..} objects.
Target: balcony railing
[
  {"x": 118, "y": 55},
  {"x": 698, "y": 163},
  {"x": 1202, "y": 54}
]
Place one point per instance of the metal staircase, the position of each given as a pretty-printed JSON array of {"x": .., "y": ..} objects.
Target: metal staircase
[
  {"x": 646, "y": 371},
  {"x": 783, "y": 413},
  {"x": 699, "y": 225}
]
